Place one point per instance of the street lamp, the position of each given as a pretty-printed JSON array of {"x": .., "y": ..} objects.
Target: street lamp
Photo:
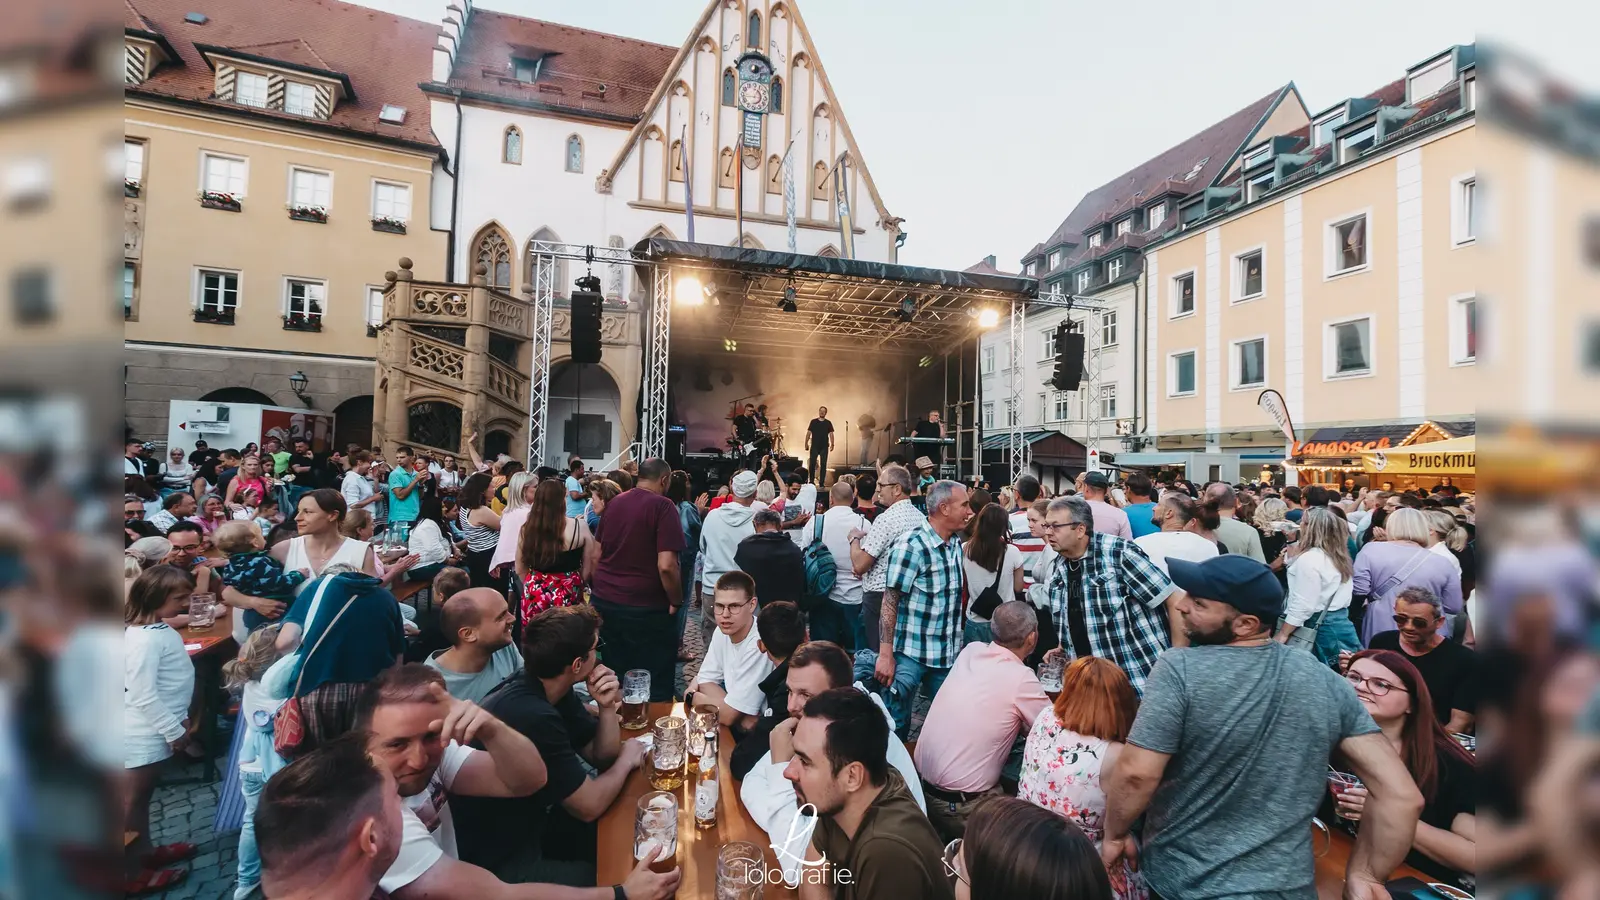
[{"x": 297, "y": 383}]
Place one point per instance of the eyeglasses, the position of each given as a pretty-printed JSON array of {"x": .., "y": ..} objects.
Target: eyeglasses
[
  {"x": 1375, "y": 686},
  {"x": 1413, "y": 621},
  {"x": 728, "y": 609},
  {"x": 1051, "y": 527},
  {"x": 953, "y": 867}
]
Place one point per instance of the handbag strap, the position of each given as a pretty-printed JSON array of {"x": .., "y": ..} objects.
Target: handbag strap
[
  {"x": 311, "y": 618},
  {"x": 1399, "y": 578}
]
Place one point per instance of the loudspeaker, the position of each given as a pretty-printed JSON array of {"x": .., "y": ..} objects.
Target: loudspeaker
[
  {"x": 1069, "y": 358},
  {"x": 586, "y": 326}
]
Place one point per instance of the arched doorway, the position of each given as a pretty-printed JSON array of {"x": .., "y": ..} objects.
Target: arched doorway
[
  {"x": 352, "y": 423},
  {"x": 585, "y": 415},
  {"x": 239, "y": 395},
  {"x": 495, "y": 443}
]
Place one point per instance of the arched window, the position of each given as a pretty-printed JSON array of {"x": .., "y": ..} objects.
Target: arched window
[
  {"x": 774, "y": 175},
  {"x": 558, "y": 276},
  {"x": 675, "y": 163},
  {"x": 819, "y": 181},
  {"x": 726, "y": 161},
  {"x": 493, "y": 250},
  {"x": 728, "y": 86},
  {"x": 435, "y": 424},
  {"x": 513, "y": 146},
  {"x": 777, "y": 94},
  {"x": 574, "y": 153},
  {"x": 753, "y": 39},
  {"x": 828, "y": 252}
]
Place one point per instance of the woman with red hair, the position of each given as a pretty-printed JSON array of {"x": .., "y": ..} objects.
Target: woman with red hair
[
  {"x": 1072, "y": 743},
  {"x": 1393, "y": 691}
]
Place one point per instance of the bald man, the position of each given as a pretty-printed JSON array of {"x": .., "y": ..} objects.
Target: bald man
[
  {"x": 477, "y": 622},
  {"x": 841, "y": 621}
]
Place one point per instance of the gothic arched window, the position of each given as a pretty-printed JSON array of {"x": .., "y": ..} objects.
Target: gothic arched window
[
  {"x": 777, "y": 94},
  {"x": 753, "y": 39},
  {"x": 493, "y": 250},
  {"x": 513, "y": 146},
  {"x": 574, "y": 154},
  {"x": 728, "y": 85}
]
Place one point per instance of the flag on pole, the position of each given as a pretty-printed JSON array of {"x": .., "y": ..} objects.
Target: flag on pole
[
  {"x": 841, "y": 202},
  {"x": 788, "y": 195},
  {"x": 688, "y": 182}
]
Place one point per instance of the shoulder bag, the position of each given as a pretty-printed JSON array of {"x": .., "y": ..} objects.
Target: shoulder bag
[
  {"x": 989, "y": 600},
  {"x": 288, "y": 724}
]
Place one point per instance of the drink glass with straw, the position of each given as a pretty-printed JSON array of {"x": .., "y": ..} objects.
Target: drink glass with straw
[{"x": 1338, "y": 784}]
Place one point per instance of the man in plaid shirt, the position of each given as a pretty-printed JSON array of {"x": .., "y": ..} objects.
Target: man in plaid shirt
[
  {"x": 1107, "y": 597},
  {"x": 919, "y": 629}
]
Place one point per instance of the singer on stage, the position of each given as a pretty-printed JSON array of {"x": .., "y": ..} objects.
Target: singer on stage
[{"x": 819, "y": 443}]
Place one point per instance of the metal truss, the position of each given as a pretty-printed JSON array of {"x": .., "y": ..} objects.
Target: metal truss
[
  {"x": 1016, "y": 440},
  {"x": 1092, "y": 361},
  {"x": 653, "y": 430}
]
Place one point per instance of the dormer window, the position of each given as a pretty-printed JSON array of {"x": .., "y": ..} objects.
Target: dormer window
[
  {"x": 1094, "y": 240},
  {"x": 1257, "y": 186},
  {"x": 1124, "y": 226},
  {"x": 1155, "y": 215},
  {"x": 299, "y": 99},
  {"x": 1469, "y": 93},
  {"x": 1357, "y": 142},
  {"x": 1054, "y": 259},
  {"x": 250, "y": 89},
  {"x": 1030, "y": 269},
  {"x": 1083, "y": 280},
  {"x": 1430, "y": 79},
  {"x": 527, "y": 70},
  {"x": 1322, "y": 131},
  {"x": 1256, "y": 157}
]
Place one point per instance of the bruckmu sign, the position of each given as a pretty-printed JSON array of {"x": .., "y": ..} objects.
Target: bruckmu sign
[{"x": 1337, "y": 448}]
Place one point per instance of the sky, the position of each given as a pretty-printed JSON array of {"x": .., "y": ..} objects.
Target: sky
[{"x": 983, "y": 123}]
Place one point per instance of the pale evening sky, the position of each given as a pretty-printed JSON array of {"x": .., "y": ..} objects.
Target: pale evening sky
[{"x": 984, "y": 123}]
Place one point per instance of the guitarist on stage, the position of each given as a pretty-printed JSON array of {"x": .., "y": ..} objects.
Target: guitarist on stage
[{"x": 744, "y": 431}]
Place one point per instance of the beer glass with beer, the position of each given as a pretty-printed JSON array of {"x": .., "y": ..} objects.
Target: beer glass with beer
[
  {"x": 739, "y": 874},
  {"x": 636, "y": 699},
  {"x": 655, "y": 828},
  {"x": 667, "y": 756},
  {"x": 1050, "y": 674}
]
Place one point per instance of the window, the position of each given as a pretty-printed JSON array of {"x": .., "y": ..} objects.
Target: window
[
  {"x": 728, "y": 85},
  {"x": 1094, "y": 239},
  {"x": 819, "y": 181},
  {"x": 988, "y": 415},
  {"x": 1464, "y": 331},
  {"x": 32, "y": 302},
  {"x": 775, "y": 175},
  {"x": 1323, "y": 130},
  {"x": 299, "y": 99},
  {"x": 1247, "y": 276},
  {"x": 1155, "y": 215},
  {"x": 753, "y": 37},
  {"x": 527, "y": 70},
  {"x": 1257, "y": 186},
  {"x": 1054, "y": 260},
  {"x": 1108, "y": 328},
  {"x": 1347, "y": 245},
  {"x": 1049, "y": 345},
  {"x": 1062, "y": 404},
  {"x": 250, "y": 89},
  {"x": 374, "y": 309},
  {"x": 1011, "y": 412},
  {"x": 777, "y": 94},
  {"x": 1430, "y": 79},
  {"x": 1469, "y": 94},
  {"x": 218, "y": 293},
  {"x": 1464, "y": 211},
  {"x": 309, "y": 188},
  {"x": 225, "y": 175},
  {"x": 986, "y": 362},
  {"x": 675, "y": 162},
  {"x": 391, "y": 200},
  {"x": 1183, "y": 295},
  {"x": 512, "y": 148},
  {"x": 1352, "y": 145},
  {"x": 130, "y": 288},
  {"x": 493, "y": 252},
  {"x": 574, "y": 153},
  {"x": 726, "y": 160},
  {"x": 1256, "y": 157},
  {"x": 27, "y": 181},
  {"x": 1113, "y": 269},
  {"x": 1083, "y": 280},
  {"x": 133, "y": 153},
  {"x": 1030, "y": 269},
  {"x": 1180, "y": 374},
  {"x": 1349, "y": 348},
  {"x": 1250, "y": 363},
  {"x": 1108, "y": 401},
  {"x": 393, "y": 115},
  {"x": 305, "y": 299},
  {"x": 1125, "y": 226}
]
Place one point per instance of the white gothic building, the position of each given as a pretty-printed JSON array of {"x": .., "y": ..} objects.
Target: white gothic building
[{"x": 574, "y": 136}]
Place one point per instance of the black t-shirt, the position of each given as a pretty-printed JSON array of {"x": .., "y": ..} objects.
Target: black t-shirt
[
  {"x": 199, "y": 457},
  {"x": 820, "y": 429},
  {"x": 1450, "y": 671},
  {"x": 309, "y": 460},
  {"x": 225, "y": 479},
  {"x": 745, "y": 428},
  {"x": 1077, "y": 616},
  {"x": 1455, "y": 793},
  {"x": 926, "y": 429},
  {"x": 491, "y": 830}
]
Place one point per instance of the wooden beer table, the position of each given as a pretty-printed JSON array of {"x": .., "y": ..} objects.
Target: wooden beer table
[{"x": 697, "y": 850}]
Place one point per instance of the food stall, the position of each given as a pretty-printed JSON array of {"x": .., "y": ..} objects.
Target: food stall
[{"x": 1338, "y": 456}]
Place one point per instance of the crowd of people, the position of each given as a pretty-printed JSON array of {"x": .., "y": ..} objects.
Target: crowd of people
[{"x": 1128, "y": 690}]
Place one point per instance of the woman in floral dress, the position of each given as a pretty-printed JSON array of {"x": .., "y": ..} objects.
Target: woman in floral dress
[{"x": 1071, "y": 743}]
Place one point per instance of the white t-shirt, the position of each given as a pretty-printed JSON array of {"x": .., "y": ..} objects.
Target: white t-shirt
[
  {"x": 428, "y": 831},
  {"x": 355, "y": 487},
  {"x": 980, "y": 579},
  {"x": 739, "y": 668},
  {"x": 1185, "y": 545},
  {"x": 837, "y": 523}
]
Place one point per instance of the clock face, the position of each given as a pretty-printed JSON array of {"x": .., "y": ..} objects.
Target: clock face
[{"x": 753, "y": 96}]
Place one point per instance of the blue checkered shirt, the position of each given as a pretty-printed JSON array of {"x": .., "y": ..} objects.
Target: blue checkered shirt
[
  {"x": 1124, "y": 600},
  {"x": 926, "y": 570}
]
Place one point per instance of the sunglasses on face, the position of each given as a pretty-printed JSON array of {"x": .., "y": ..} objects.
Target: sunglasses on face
[{"x": 1413, "y": 621}]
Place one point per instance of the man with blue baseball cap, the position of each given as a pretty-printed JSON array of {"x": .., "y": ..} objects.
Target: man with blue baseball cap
[{"x": 1227, "y": 759}]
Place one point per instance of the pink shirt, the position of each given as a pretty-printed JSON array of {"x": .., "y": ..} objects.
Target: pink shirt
[
  {"x": 988, "y": 698},
  {"x": 1110, "y": 520}
]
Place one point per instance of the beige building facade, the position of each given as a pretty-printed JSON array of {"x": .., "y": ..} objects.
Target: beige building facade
[{"x": 1341, "y": 272}]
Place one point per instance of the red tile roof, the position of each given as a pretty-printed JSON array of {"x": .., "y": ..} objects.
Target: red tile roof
[
  {"x": 578, "y": 63},
  {"x": 984, "y": 267},
  {"x": 385, "y": 56},
  {"x": 1210, "y": 150}
]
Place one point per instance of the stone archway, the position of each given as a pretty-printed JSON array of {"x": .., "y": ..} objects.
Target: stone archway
[
  {"x": 586, "y": 417},
  {"x": 238, "y": 395},
  {"x": 352, "y": 422}
]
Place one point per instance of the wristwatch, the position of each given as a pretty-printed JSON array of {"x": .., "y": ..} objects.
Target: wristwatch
[{"x": 620, "y": 894}]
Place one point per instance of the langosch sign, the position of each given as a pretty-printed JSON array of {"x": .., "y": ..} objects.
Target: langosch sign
[{"x": 1338, "y": 448}]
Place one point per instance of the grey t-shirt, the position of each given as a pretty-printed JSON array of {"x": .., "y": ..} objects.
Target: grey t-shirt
[
  {"x": 1249, "y": 730},
  {"x": 474, "y": 686}
]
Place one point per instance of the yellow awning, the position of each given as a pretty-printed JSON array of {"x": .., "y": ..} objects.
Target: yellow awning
[{"x": 1458, "y": 456}]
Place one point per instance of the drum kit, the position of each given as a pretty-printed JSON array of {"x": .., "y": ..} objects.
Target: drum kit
[{"x": 769, "y": 441}]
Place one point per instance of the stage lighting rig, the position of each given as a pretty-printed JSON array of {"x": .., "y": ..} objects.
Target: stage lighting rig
[
  {"x": 787, "y": 304},
  {"x": 908, "y": 308},
  {"x": 690, "y": 292}
]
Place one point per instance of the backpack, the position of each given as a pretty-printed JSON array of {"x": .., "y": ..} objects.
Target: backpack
[{"x": 820, "y": 571}]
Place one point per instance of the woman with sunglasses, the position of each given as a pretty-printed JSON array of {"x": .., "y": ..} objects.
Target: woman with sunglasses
[
  {"x": 1392, "y": 690},
  {"x": 1014, "y": 850}
]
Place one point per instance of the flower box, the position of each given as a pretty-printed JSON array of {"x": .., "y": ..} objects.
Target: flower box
[
  {"x": 388, "y": 224},
  {"x": 220, "y": 200},
  {"x": 372, "y": 331},
  {"x": 214, "y": 317},
  {"x": 301, "y": 322},
  {"x": 130, "y": 188},
  {"x": 308, "y": 214}
]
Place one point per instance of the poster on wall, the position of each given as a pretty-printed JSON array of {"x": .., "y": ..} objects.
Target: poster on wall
[{"x": 290, "y": 425}]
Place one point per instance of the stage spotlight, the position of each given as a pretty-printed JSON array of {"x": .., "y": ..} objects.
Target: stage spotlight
[
  {"x": 924, "y": 362},
  {"x": 988, "y": 317},
  {"x": 690, "y": 292},
  {"x": 908, "y": 308},
  {"x": 730, "y": 345}
]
